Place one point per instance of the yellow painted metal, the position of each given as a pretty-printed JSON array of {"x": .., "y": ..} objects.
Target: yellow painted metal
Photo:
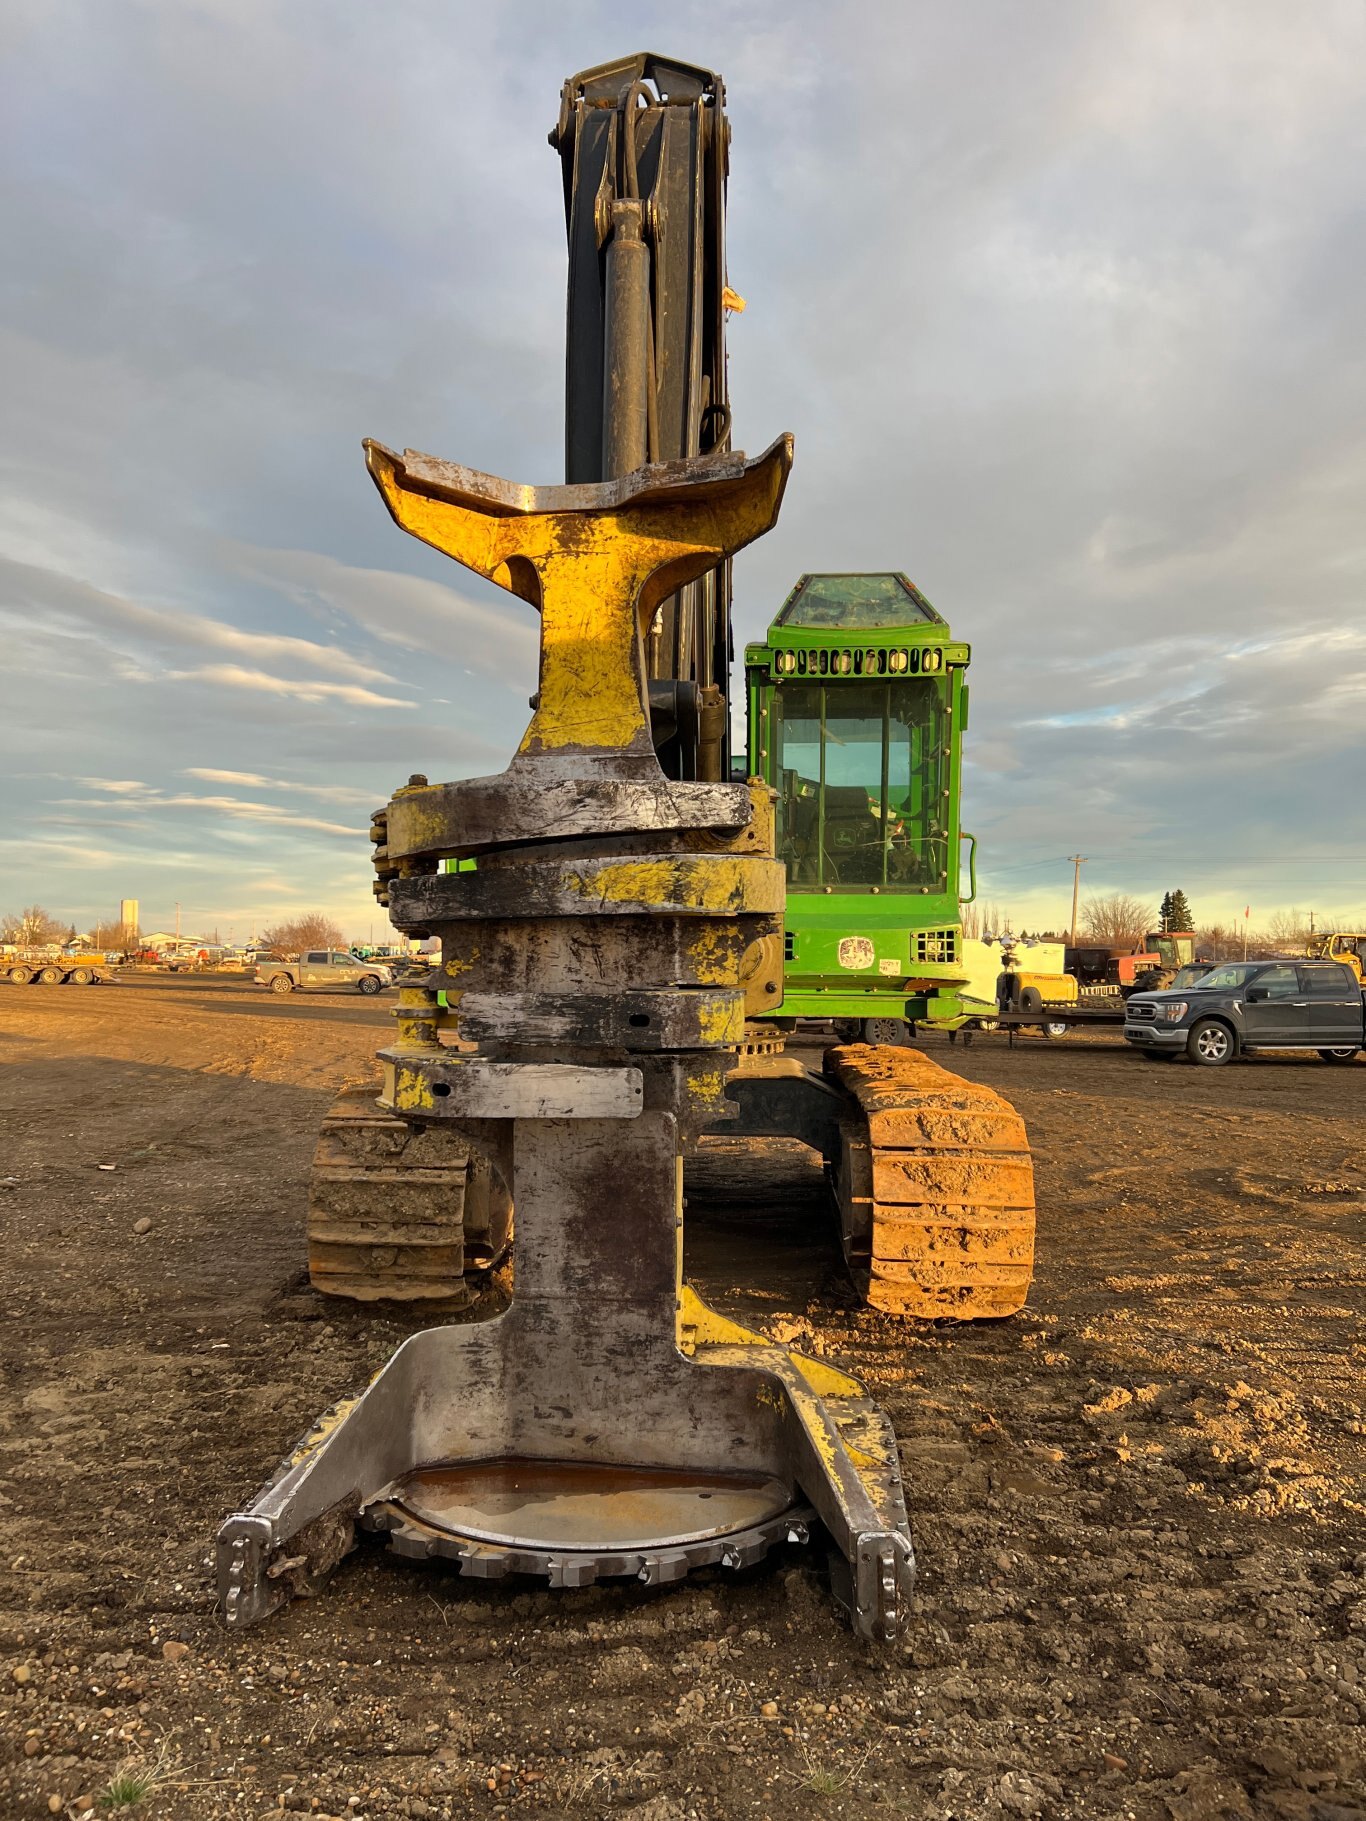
[
  {"x": 419, "y": 1018},
  {"x": 717, "y": 885},
  {"x": 597, "y": 574},
  {"x": 406, "y": 1090},
  {"x": 700, "y": 1326},
  {"x": 756, "y": 837},
  {"x": 1054, "y": 989}
]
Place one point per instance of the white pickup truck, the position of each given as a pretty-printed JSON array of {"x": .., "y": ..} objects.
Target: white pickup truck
[{"x": 324, "y": 970}]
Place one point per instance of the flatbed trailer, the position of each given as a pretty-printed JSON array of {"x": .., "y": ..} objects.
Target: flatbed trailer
[
  {"x": 57, "y": 970},
  {"x": 1050, "y": 1021}
]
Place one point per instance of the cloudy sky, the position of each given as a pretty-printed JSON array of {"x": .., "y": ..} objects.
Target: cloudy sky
[{"x": 1063, "y": 303}]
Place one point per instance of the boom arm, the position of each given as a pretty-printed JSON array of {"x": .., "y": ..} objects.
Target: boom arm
[{"x": 643, "y": 145}]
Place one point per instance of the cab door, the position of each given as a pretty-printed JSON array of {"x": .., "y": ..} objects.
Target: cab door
[
  {"x": 345, "y": 970},
  {"x": 313, "y": 969},
  {"x": 1333, "y": 1005},
  {"x": 1275, "y": 1010}
]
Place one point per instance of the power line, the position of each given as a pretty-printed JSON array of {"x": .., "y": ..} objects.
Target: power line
[
  {"x": 1019, "y": 866},
  {"x": 1205, "y": 859}
]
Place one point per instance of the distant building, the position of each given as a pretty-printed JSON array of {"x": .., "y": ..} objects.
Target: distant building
[{"x": 128, "y": 916}]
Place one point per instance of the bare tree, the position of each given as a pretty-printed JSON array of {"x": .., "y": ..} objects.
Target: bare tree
[
  {"x": 311, "y": 931},
  {"x": 33, "y": 928},
  {"x": 1118, "y": 921},
  {"x": 971, "y": 915},
  {"x": 109, "y": 935},
  {"x": 1285, "y": 932},
  {"x": 1216, "y": 942}
]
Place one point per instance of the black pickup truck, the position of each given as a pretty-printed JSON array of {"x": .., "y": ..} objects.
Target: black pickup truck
[{"x": 1241, "y": 1006}]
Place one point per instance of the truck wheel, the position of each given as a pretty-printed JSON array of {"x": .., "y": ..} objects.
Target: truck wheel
[
  {"x": 1349, "y": 1055},
  {"x": 1054, "y": 1030},
  {"x": 887, "y": 1031},
  {"x": 1155, "y": 980},
  {"x": 369, "y": 983},
  {"x": 49, "y": 976},
  {"x": 281, "y": 983},
  {"x": 81, "y": 976},
  {"x": 1030, "y": 1000},
  {"x": 21, "y": 975},
  {"x": 1211, "y": 1044}
]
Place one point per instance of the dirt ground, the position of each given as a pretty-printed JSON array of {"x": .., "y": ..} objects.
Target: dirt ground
[{"x": 1139, "y": 1507}]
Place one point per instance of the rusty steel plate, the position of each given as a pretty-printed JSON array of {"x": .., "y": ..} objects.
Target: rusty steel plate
[{"x": 532, "y": 1504}]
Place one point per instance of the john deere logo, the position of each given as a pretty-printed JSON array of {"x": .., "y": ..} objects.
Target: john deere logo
[{"x": 855, "y": 951}]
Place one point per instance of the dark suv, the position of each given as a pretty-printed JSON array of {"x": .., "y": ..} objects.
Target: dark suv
[{"x": 1240, "y": 1006}]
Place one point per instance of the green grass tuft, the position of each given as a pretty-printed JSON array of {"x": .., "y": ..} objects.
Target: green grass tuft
[{"x": 127, "y": 1787}]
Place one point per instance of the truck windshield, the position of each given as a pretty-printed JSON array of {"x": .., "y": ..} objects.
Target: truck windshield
[
  {"x": 1189, "y": 975},
  {"x": 1229, "y": 977},
  {"x": 859, "y": 776}
]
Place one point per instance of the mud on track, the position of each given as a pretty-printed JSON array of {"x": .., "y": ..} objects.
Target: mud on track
[{"x": 1138, "y": 1508}]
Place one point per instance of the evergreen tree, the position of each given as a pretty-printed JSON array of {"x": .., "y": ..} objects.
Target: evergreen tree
[
  {"x": 1178, "y": 912},
  {"x": 1164, "y": 915}
]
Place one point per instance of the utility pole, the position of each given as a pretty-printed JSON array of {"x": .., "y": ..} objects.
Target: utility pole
[
  {"x": 177, "y": 920},
  {"x": 1247, "y": 912},
  {"x": 1077, "y": 862}
]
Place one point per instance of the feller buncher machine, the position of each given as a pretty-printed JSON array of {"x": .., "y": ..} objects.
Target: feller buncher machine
[{"x": 612, "y": 974}]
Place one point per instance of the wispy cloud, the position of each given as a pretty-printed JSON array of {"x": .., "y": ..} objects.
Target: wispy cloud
[
  {"x": 300, "y": 689},
  {"x": 148, "y": 798},
  {"x": 496, "y": 637},
  {"x": 243, "y": 809},
  {"x": 337, "y": 793},
  {"x": 28, "y": 590}
]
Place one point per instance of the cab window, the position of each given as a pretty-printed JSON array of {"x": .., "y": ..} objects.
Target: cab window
[
  {"x": 1331, "y": 982},
  {"x": 315, "y": 959},
  {"x": 1229, "y": 978},
  {"x": 860, "y": 789},
  {"x": 1280, "y": 982}
]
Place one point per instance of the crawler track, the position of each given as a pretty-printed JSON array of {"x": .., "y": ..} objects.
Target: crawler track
[
  {"x": 933, "y": 1180},
  {"x": 398, "y": 1212},
  {"x": 935, "y": 1188}
]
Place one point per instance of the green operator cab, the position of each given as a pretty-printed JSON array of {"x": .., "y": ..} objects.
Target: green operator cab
[{"x": 857, "y": 703}]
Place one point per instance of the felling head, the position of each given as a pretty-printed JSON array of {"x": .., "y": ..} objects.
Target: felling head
[{"x": 596, "y": 560}]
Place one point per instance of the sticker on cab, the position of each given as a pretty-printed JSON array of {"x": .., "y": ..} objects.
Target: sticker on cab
[
  {"x": 889, "y": 967},
  {"x": 855, "y": 951}
]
